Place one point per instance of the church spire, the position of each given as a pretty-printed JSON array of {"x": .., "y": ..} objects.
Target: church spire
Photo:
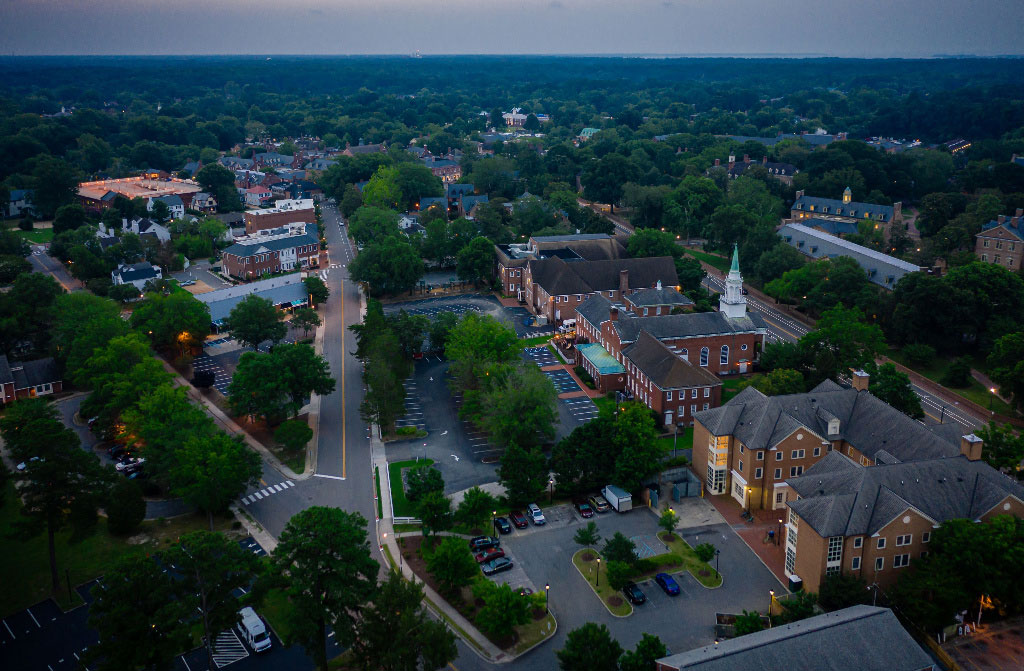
[{"x": 733, "y": 304}]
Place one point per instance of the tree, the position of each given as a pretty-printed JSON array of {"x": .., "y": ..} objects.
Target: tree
[
  {"x": 705, "y": 552},
  {"x": 410, "y": 330},
  {"x": 841, "y": 342},
  {"x": 416, "y": 181},
  {"x": 620, "y": 548},
  {"x": 652, "y": 242},
  {"x": 395, "y": 633},
  {"x": 56, "y": 183},
  {"x": 842, "y": 590},
  {"x": 476, "y": 508},
  {"x": 587, "y": 536},
  {"x": 324, "y": 557},
  {"x": 523, "y": 474},
  {"x": 475, "y": 261},
  {"x": 11, "y": 266},
  {"x": 384, "y": 373},
  {"x": 799, "y": 606},
  {"x": 162, "y": 421},
  {"x": 604, "y": 178},
  {"x": 306, "y": 319},
  {"x": 212, "y": 568},
  {"x": 776, "y": 261},
  {"x": 918, "y": 354},
  {"x": 590, "y": 648},
  {"x": 351, "y": 200},
  {"x": 958, "y": 374},
  {"x": 780, "y": 381},
  {"x": 293, "y": 435},
  {"x": 383, "y": 189},
  {"x": 475, "y": 343},
  {"x": 667, "y": 521},
  {"x": 125, "y": 507},
  {"x": 893, "y": 387},
  {"x": 301, "y": 372},
  {"x": 619, "y": 573},
  {"x": 139, "y": 620},
  {"x": 518, "y": 404},
  {"x": 532, "y": 123},
  {"x": 747, "y": 623},
  {"x": 372, "y": 224},
  {"x": 317, "y": 289},
  {"x": 1004, "y": 450},
  {"x": 389, "y": 266},
  {"x": 435, "y": 512},
  {"x": 503, "y": 609},
  {"x": 644, "y": 657},
  {"x": 421, "y": 480},
  {"x": 1006, "y": 365},
  {"x": 254, "y": 320},
  {"x": 68, "y": 218},
  {"x": 178, "y": 319},
  {"x": 214, "y": 470},
  {"x": 452, "y": 564},
  {"x": 634, "y": 439},
  {"x": 255, "y": 388}
]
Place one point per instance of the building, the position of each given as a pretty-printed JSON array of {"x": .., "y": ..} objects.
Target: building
[
  {"x": 805, "y": 207},
  {"x": 587, "y": 133},
  {"x": 657, "y": 301},
  {"x": 203, "y": 202},
  {"x": 864, "y": 638},
  {"x": 515, "y": 118},
  {"x": 237, "y": 163},
  {"x": 884, "y": 270},
  {"x": 28, "y": 379},
  {"x": 875, "y": 521},
  {"x": 363, "y": 149},
  {"x": 1002, "y": 241},
  {"x": 20, "y": 202},
  {"x": 257, "y": 196},
  {"x": 283, "y": 212},
  {"x": 276, "y": 250},
  {"x": 136, "y": 274},
  {"x": 100, "y": 194},
  {"x": 445, "y": 169},
  {"x": 175, "y": 205},
  {"x": 512, "y": 259},
  {"x": 145, "y": 228},
  {"x": 781, "y": 171},
  {"x": 816, "y": 140},
  {"x": 286, "y": 293},
  {"x": 752, "y": 444},
  {"x": 834, "y": 227}
]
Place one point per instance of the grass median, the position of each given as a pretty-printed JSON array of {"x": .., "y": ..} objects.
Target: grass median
[
  {"x": 701, "y": 571},
  {"x": 402, "y": 506},
  {"x": 585, "y": 562}
]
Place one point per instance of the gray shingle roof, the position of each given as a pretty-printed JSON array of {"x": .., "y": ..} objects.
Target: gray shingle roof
[
  {"x": 841, "y": 209},
  {"x": 664, "y": 368},
  {"x": 841, "y": 498},
  {"x": 584, "y": 277},
  {"x": 658, "y": 296},
  {"x": 868, "y": 424},
  {"x": 1009, "y": 226},
  {"x": 832, "y": 226},
  {"x": 271, "y": 244},
  {"x": 881, "y": 269},
  {"x": 277, "y": 290},
  {"x": 862, "y": 637},
  {"x": 686, "y": 325},
  {"x": 138, "y": 271},
  {"x": 595, "y": 310},
  {"x": 25, "y": 374}
]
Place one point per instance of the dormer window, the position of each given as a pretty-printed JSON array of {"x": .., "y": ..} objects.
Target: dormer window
[{"x": 833, "y": 427}]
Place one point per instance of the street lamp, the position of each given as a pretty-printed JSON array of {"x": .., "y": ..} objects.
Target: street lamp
[
  {"x": 992, "y": 397},
  {"x": 547, "y": 588},
  {"x": 779, "y": 540},
  {"x": 494, "y": 522},
  {"x": 717, "y": 574},
  {"x": 749, "y": 490},
  {"x": 551, "y": 489},
  {"x": 771, "y": 602},
  {"x": 598, "y": 572}
]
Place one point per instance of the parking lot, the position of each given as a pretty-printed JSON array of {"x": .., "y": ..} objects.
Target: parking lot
[
  {"x": 413, "y": 409},
  {"x": 581, "y": 409},
  {"x": 221, "y": 377},
  {"x": 541, "y": 356},
  {"x": 562, "y": 380}
]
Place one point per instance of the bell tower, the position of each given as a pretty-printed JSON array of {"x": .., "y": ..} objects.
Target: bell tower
[
  {"x": 847, "y": 196},
  {"x": 733, "y": 304}
]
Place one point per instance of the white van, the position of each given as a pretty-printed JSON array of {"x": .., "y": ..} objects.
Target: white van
[
  {"x": 567, "y": 325},
  {"x": 253, "y": 630}
]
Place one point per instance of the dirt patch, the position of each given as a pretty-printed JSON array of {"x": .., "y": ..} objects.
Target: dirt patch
[
  {"x": 587, "y": 556},
  {"x": 539, "y": 613},
  {"x": 615, "y": 601}
]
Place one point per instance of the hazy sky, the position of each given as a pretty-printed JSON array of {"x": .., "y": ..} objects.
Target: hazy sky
[{"x": 831, "y": 27}]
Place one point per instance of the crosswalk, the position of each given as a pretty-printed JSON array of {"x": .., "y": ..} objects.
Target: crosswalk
[
  {"x": 269, "y": 490},
  {"x": 228, "y": 649}
]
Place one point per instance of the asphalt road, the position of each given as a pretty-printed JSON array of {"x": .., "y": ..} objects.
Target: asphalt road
[{"x": 42, "y": 262}]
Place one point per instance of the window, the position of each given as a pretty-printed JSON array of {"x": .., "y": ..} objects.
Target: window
[
  {"x": 798, "y": 454},
  {"x": 705, "y": 406},
  {"x": 790, "y": 559},
  {"x": 742, "y": 448},
  {"x": 724, "y": 359},
  {"x": 780, "y": 497},
  {"x": 924, "y": 554},
  {"x": 759, "y": 473},
  {"x": 693, "y": 394},
  {"x": 704, "y": 356},
  {"x": 858, "y": 542},
  {"x": 817, "y": 451},
  {"x": 879, "y": 563},
  {"x": 778, "y": 473},
  {"x": 778, "y": 456},
  {"x": 760, "y": 455},
  {"x": 926, "y": 536},
  {"x": 693, "y": 409},
  {"x": 999, "y": 244},
  {"x": 794, "y": 471},
  {"x": 904, "y": 540},
  {"x": 685, "y": 354},
  {"x": 855, "y": 563},
  {"x": 985, "y": 243},
  {"x": 743, "y": 348},
  {"x": 996, "y": 259},
  {"x": 900, "y": 561},
  {"x": 645, "y": 312},
  {"x": 984, "y": 257},
  {"x": 707, "y": 392},
  {"x": 741, "y": 466},
  {"x": 668, "y": 395},
  {"x": 835, "y": 549},
  {"x": 881, "y": 543}
]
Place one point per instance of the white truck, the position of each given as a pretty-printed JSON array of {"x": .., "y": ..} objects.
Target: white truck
[
  {"x": 253, "y": 630},
  {"x": 618, "y": 498}
]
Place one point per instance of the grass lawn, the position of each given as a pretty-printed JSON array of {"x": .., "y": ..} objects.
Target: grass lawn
[
  {"x": 730, "y": 387},
  {"x": 26, "y": 569},
  {"x": 405, "y": 528},
  {"x": 695, "y": 566},
  {"x": 536, "y": 342},
  {"x": 605, "y": 403},
  {"x": 402, "y": 506},
  {"x": 615, "y": 602},
  {"x": 685, "y": 441},
  {"x": 975, "y": 391},
  {"x": 534, "y": 632},
  {"x": 277, "y": 609},
  {"x": 36, "y": 236},
  {"x": 721, "y": 262},
  {"x": 380, "y": 501}
]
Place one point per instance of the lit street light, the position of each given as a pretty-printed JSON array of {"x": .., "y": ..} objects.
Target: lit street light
[
  {"x": 771, "y": 602},
  {"x": 547, "y": 588},
  {"x": 598, "y": 571}
]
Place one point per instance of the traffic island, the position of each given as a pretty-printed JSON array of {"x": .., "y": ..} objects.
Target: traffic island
[
  {"x": 586, "y": 562},
  {"x": 701, "y": 571}
]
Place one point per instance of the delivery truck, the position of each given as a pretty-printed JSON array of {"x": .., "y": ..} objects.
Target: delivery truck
[{"x": 618, "y": 498}]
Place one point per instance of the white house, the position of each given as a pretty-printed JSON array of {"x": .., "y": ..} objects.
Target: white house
[
  {"x": 136, "y": 274},
  {"x": 142, "y": 226},
  {"x": 173, "y": 203}
]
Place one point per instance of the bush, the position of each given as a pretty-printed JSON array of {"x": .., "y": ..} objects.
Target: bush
[
  {"x": 705, "y": 552},
  {"x": 405, "y": 431},
  {"x": 584, "y": 376},
  {"x": 125, "y": 507},
  {"x": 748, "y": 623},
  {"x": 421, "y": 480},
  {"x": 620, "y": 549},
  {"x": 293, "y": 435},
  {"x": 26, "y": 224},
  {"x": 618, "y": 574},
  {"x": 958, "y": 374},
  {"x": 918, "y": 354}
]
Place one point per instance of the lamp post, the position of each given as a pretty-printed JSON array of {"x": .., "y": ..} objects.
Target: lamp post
[
  {"x": 494, "y": 521},
  {"x": 675, "y": 440},
  {"x": 598, "y": 572},
  {"x": 717, "y": 574},
  {"x": 547, "y": 588},
  {"x": 551, "y": 489},
  {"x": 779, "y": 539},
  {"x": 991, "y": 398},
  {"x": 749, "y": 490},
  {"x": 771, "y": 602}
]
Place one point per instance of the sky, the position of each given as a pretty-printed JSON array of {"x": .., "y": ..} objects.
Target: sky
[{"x": 853, "y": 28}]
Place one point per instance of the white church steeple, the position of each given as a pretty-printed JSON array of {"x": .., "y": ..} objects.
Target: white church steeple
[{"x": 733, "y": 304}]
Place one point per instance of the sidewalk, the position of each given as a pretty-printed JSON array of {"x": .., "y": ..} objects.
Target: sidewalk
[{"x": 771, "y": 552}]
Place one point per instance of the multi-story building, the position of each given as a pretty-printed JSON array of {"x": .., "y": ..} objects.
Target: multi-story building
[
  {"x": 1002, "y": 241},
  {"x": 203, "y": 202},
  {"x": 447, "y": 170},
  {"x": 272, "y": 251},
  {"x": 882, "y": 270},
  {"x": 28, "y": 379},
  {"x": 283, "y": 213},
  {"x": 512, "y": 259},
  {"x": 875, "y": 521},
  {"x": 750, "y": 446},
  {"x": 101, "y": 194},
  {"x": 805, "y": 207},
  {"x": 257, "y": 196},
  {"x": 781, "y": 171}
]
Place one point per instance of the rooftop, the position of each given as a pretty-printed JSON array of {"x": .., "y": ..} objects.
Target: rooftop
[
  {"x": 604, "y": 362},
  {"x": 137, "y": 187},
  {"x": 287, "y": 289},
  {"x": 664, "y": 367},
  {"x": 882, "y": 269}
]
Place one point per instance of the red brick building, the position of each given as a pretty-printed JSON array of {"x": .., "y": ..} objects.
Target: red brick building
[
  {"x": 283, "y": 213},
  {"x": 1002, "y": 241},
  {"x": 273, "y": 251},
  {"x": 512, "y": 259},
  {"x": 671, "y": 386},
  {"x": 28, "y": 379}
]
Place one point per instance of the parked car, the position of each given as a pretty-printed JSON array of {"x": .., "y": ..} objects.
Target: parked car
[
  {"x": 489, "y": 555},
  {"x": 518, "y": 519},
  {"x": 117, "y": 451},
  {"x": 129, "y": 464},
  {"x": 503, "y": 525},
  {"x": 667, "y": 583},
  {"x": 583, "y": 508},
  {"x": 253, "y": 630},
  {"x": 633, "y": 593},
  {"x": 496, "y": 566},
  {"x": 478, "y": 543},
  {"x": 599, "y": 504},
  {"x": 536, "y": 515}
]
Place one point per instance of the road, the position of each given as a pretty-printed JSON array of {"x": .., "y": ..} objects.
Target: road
[{"x": 42, "y": 262}]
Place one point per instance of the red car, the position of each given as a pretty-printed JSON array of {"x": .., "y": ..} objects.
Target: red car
[
  {"x": 518, "y": 519},
  {"x": 488, "y": 555},
  {"x": 583, "y": 508}
]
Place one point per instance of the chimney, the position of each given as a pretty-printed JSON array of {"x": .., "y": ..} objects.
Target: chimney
[
  {"x": 970, "y": 446},
  {"x": 623, "y": 281},
  {"x": 732, "y": 162},
  {"x": 764, "y": 160},
  {"x": 659, "y": 285},
  {"x": 746, "y": 158},
  {"x": 861, "y": 380},
  {"x": 1001, "y": 219},
  {"x": 1019, "y": 213},
  {"x": 613, "y": 314},
  {"x": 799, "y": 194},
  {"x": 718, "y": 162}
]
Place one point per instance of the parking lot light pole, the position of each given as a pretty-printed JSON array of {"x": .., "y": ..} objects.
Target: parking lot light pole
[
  {"x": 547, "y": 588},
  {"x": 551, "y": 490},
  {"x": 494, "y": 521},
  {"x": 717, "y": 574},
  {"x": 771, "y": 602},
  {"x": 598, "y": 572},
  {"x": 778, "y": 540}
]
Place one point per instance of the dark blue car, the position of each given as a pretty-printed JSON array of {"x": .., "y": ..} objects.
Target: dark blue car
[{"x": 667, "y": 583}]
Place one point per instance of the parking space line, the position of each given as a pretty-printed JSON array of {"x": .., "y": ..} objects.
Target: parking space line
[
  {"x": 9, "y": 629},
  {"x": 29, "y": 611}
]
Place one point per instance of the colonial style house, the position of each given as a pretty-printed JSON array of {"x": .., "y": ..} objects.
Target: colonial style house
[
  {"x": 276, "y": 250},
  {"x": 1002, "y": 241},
  {"x": 175, "y": 205},
  {"x": 805, "y": 207},
  {"x": 136, "y": 274},
  {"x": 781, "y": 171},
  {"x": 203, "y": 202},
  {"x": 874, "y": 521},
  {"x": 512, "y": 259},
  {"x": 28, "y": 379}
]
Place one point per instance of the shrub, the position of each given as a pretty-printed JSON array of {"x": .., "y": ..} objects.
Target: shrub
[
  {"x": 26, "y": 224},
  {"x": 405, "y": 431},
  {"x": 125, "y": 507},
  {"x": 705, "y": 552},
  {"x": 958, "y": 374},
  {"x": 420, "y": 480},
  {"x": 918, "y": 354},
  {"x": 584, "y": 376},
  {"x": 293, "y": 435},
  {"x": 748, "y": 623},
  {"x": 618, "y": 574}
]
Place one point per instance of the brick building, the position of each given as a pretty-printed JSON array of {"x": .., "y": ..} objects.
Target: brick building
[
  {"x": 847, "y": 209},
  {"x": 750, "y": 446},
  {"x": 1002, "y": 241},
  {"x": 283, "y": 213},
  {"x": 512, "y": 259},
  {"x": 447, "y": 170},
  {"x": 875, "y": 521},
  {"x": 28, "y": 379},
  {"x": 272, "y": 251}
]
